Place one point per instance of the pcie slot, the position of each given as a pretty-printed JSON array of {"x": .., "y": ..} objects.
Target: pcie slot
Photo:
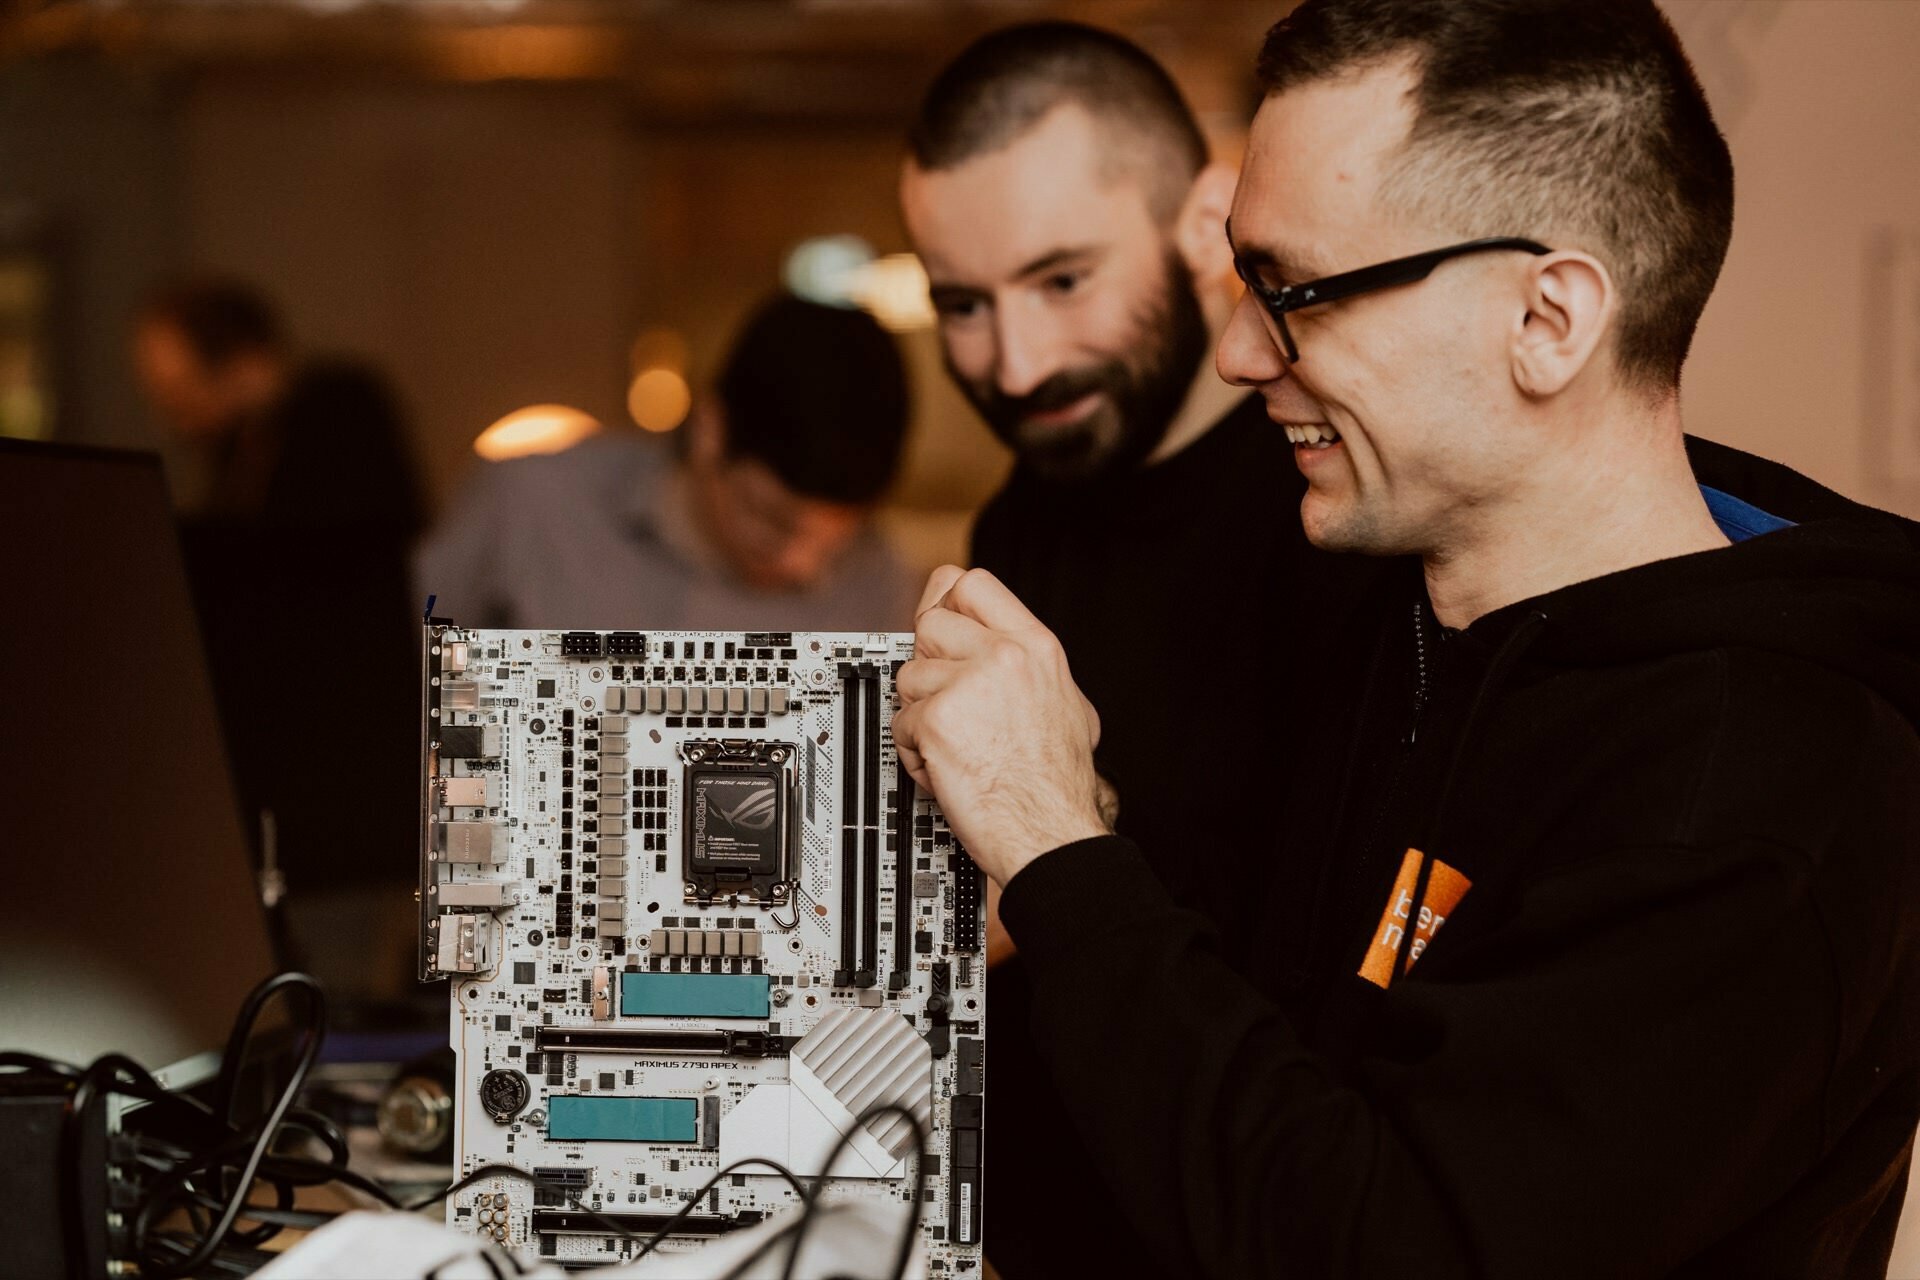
[
  {"x": 865, "y": 975},
  {"x": 724, "y": 1044},
  {"x": 568, "y": 1222},
  {"x": 902, "y": 883},
  {"x": 853, "y": 690}
]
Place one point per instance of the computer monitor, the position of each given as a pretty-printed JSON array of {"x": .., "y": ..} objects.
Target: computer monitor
[{"x": 131, "y": 923}]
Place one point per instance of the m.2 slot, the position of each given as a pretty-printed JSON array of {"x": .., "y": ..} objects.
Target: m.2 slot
[{"x": 663, "y": 1044}]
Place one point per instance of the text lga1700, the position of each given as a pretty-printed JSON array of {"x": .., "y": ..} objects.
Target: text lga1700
[{"x": 694, "y": 913}]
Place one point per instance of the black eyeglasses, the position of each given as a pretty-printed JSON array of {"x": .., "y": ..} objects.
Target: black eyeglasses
[{"x": 1365, "y": 280}]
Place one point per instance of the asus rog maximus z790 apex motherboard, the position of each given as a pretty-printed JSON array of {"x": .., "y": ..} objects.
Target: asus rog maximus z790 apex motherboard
[{"x": 693, "y": 912}]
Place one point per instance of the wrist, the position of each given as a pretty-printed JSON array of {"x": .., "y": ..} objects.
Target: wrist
[{"x": 1040, "y": 842}]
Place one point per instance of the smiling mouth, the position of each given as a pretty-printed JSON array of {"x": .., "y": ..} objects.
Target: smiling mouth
[
  {"x": 1314, "y": 435},
  {"x": 1067, "y": 414}
]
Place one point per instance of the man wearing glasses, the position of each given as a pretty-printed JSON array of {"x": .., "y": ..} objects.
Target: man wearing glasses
[
  {"x": 1058, "y": 190},
  {"x": 1594, "y": 940}
]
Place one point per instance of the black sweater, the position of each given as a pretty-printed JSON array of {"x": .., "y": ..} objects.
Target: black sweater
[
  {"x": 1670, "y": 1025},
  {"x": 1174, "y": 590}
]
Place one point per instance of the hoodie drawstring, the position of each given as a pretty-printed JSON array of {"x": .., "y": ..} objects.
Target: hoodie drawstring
[{"x": 1504, "y": 658}]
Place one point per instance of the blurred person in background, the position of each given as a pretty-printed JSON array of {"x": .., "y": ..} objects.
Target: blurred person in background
[
  {"x": 284, "y": 441},
  {"x": 761, "y": 517},
  {"x": 1059, "y": 192},
  {"x": 297, "y": 554}
]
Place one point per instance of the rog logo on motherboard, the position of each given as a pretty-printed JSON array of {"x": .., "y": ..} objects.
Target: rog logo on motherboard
[{"x": 753, "y": 813}]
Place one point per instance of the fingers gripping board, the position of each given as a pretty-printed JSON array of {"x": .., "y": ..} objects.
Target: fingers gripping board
[{"x": 692, "y": 912}]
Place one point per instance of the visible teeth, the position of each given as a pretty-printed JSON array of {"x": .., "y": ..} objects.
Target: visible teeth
[
  {"x": 1310, "y": 433},
  {"x": 1313, "y": 434}
]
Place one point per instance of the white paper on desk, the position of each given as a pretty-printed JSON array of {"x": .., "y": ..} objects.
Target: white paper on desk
[{"x": 387, "y": 1246}]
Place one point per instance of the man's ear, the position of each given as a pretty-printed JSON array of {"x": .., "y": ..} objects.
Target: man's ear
[
  {"x": 1570, "y": 305},
  {"x": 1201, "y": 229}
]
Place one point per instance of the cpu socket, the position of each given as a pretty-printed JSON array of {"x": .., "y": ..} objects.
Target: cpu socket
[{"x": 736, "y": 836}]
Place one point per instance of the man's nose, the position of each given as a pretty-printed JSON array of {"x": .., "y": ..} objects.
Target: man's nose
[
  {"x": 1024, "y": 354},
  {"x": 1248, "y": 354}
]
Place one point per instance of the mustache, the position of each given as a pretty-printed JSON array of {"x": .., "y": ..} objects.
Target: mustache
[{"x": 1057, "y": 392}]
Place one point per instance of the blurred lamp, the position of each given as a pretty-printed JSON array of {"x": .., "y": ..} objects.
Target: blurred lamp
[
  {"x": 659, "y": 399},
  {"x": 842, "y": 271},
  {"x": 823, "y": 269},
  {"x": 538, "y": 428},
  {"x": 894, "y": 289}
]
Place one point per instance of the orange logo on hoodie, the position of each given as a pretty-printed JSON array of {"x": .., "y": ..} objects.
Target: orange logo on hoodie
[{"x": 1445, "y": 888}]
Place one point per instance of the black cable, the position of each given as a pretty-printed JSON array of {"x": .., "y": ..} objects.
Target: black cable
[
  {"x": 811, "y": 1204},
  {"x": 740, "y": 1268},
  {"x": 606, "y": 1224},
  {"x": 34, "y": 1062},
  {"x": 262, "y": 1136},
  {"x": 215, "y": 1246},
  {"x": 686, "y": 1209}
]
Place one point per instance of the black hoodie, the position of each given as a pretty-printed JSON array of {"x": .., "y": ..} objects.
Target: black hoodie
[{"x": 1591, "y": 944}]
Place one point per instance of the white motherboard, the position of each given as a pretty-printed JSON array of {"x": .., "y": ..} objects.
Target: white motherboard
[{"x": 693, "y": 913}]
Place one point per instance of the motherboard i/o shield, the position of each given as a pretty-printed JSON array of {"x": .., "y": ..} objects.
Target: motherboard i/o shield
[{"x": 693, "y": 912}]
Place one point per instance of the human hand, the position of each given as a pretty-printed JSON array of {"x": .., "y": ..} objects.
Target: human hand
[{"x": 992, "y": 724}]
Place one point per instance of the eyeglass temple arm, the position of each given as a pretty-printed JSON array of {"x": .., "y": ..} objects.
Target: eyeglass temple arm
[{"x": 1399, "y": 271}]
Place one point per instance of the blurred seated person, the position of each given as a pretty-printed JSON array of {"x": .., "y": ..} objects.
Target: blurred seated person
[
  {"x": 298, "y": 558},
  {"x": 285, "y": 441},
  {"x": 757, "y": 514}
]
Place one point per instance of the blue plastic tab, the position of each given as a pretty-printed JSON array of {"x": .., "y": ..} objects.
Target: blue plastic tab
[
  {"x": 694, "y": 995},
  {"x": 577, "y": 1118}
]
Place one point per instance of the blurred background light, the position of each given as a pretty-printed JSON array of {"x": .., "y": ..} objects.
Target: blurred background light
[
  {"x": 894, "y": 289},
  {"x": 538, "y": 428},
  {"x": 824, "y": 269},
  {"x": 842, "y": 271},
  {"x": 659, "y": 399}
]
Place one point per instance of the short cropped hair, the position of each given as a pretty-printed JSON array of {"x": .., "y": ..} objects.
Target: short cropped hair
[
  {"x": 220, "y": 317},
  {"x": 1004, "y": 83},
  {"x": 819, "y": 394},
  {"x": 1578, "y": 123}
]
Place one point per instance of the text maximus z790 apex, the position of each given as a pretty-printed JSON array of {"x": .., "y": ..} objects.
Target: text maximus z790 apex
[{"x": 693, "y": 913}]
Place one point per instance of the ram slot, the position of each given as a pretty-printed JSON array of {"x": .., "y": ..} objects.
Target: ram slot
[
  {"x": 848, "y": 925},
  {"x": 867, "y": 971},
  {"x": 902, "y": 882}
]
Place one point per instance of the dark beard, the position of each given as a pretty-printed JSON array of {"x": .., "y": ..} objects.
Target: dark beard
[{"x": 1140, "y": 399}]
